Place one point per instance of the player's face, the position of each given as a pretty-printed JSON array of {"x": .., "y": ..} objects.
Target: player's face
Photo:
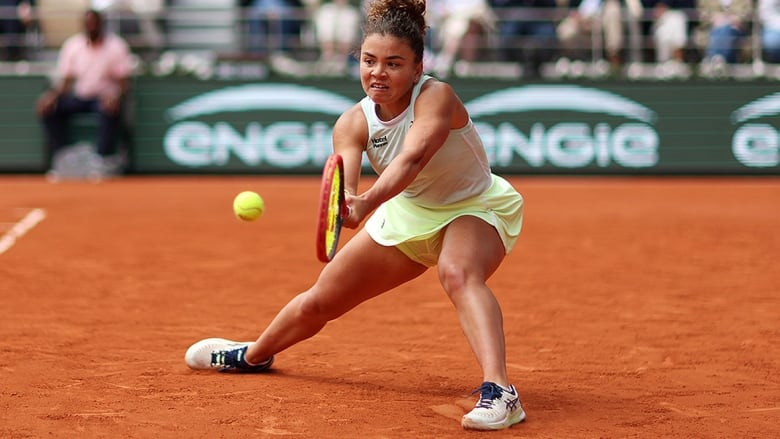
[{"x": 388, "y": 70}]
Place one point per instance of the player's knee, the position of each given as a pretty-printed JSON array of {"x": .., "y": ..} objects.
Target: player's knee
[
  {"x": 313, "y": 309},
  {"x": 452, "y": 277}
]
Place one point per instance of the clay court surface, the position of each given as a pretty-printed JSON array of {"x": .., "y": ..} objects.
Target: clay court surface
[{"x": 634, "y": 307}]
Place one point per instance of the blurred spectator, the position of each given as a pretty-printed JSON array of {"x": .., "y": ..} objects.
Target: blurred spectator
[
  {"x": 274, "y": 25},
  {"x": 722, "y": 28},
  {"x": 588, "y": 21},
  {"x": 458, "y": 26},
  {"x": 769, "y": 17},
  {"x": 337, "y": 29},
  {"x": 670, "y": 28},
  {"x": 16, "y": 17},
  {"x": 144, "y": 19},
  {"x": 93, "y": 73},
  {"x": 586, "y": 17},
  {"x": 529, "y": 38}
]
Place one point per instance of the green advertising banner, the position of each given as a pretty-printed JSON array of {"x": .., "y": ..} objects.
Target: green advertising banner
[
  {"x": 582, "y": 128},
  {"x": 21, "y": 135},
  {"x": 184, "y": 125},
  {"x": 225, "y": 127}
]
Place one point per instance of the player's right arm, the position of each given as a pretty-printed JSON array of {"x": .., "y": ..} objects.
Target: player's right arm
[{"x": 350, "y": 136}]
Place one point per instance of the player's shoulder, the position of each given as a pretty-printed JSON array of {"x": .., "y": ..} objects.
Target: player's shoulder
[
  {"x": 352, "y": 118},
  {"x": 435, "y": 93},
  {"x": 352, "y": 124},
  {"x": 435, "y": 85},
  {"x": 436, "y": 90}
]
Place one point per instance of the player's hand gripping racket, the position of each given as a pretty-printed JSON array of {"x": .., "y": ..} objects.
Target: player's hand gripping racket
[{"x": 333, "y": 208}]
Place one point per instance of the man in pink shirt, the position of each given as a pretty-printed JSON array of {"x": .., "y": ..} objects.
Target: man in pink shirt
[{"x": 93, "y": 72}]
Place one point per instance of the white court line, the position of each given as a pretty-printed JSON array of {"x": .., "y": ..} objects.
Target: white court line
[{"x": 20, "y": 228}]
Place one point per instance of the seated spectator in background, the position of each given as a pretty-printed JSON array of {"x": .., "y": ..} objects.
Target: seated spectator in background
[
  {"x": 669, "y": 28},
  {"x": 722, "y": 28},
  {"x": 16, "y": 16},
  {"x": 458, "y": 26},
  {"x": 769, "y": 17},
  {"x": 273, "y": 25},
  {"x": 531, "y": 39},
  {"x": 337, "y": 29},
  {"x": 575, "y": 31},
  {"x": 93, "y": 70}
]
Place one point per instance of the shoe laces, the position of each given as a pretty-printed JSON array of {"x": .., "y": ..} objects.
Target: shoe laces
[
  {"x": 228, "y": 359},
  {"x": 489, "y": 392}
]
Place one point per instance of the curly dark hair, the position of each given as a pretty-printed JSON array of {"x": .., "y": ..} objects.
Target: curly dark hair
[{"x": 404, "y": 19}]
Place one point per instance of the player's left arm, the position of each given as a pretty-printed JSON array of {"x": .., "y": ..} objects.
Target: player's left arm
[
  {"x": 433, "y": 118},
  {"x": 350, "y": 136}
]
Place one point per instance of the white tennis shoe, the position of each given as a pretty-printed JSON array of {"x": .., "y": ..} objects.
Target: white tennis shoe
[
  {"x": 222, "y": 355},
  {"x": 497, "y": 408}
]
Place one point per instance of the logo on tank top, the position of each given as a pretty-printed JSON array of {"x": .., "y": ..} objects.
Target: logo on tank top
[{"x": 379, "y": 142}]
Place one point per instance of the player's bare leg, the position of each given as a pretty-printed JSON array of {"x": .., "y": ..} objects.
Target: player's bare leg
[
  {"x": 471, "y": 253},
  {"x": 361, "y": 270}
]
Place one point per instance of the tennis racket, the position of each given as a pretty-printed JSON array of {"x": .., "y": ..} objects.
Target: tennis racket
[{"x": 332, "y": 208}]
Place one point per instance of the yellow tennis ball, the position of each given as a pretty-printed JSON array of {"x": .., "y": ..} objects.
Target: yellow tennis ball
[{"x": 248, "y": 206}]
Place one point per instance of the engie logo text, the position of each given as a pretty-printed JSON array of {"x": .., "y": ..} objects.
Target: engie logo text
[{"x": 291, "y": 126}]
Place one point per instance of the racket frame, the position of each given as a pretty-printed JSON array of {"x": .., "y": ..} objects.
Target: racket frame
[{"x": 332, "y": 208}]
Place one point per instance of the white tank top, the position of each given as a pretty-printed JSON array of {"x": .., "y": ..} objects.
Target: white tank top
[{"x": 459, "y": 170}]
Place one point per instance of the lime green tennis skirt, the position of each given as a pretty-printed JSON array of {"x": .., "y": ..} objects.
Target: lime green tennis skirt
[{"x": 402, "y": 223}]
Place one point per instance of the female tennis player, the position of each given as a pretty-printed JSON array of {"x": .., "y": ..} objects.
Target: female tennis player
[{"x": 434, "y": 203}]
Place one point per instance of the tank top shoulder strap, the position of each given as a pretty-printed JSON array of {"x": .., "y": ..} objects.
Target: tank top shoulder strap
[{"x": 416, "y": 92}]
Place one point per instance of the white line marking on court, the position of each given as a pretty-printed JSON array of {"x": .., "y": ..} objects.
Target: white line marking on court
[
  {"x": 20, "y": 228},
  {"x": 768, "y": 409}
]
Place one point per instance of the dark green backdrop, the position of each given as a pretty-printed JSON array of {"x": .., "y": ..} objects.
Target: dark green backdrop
[{"x": 184, "y": 125}]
